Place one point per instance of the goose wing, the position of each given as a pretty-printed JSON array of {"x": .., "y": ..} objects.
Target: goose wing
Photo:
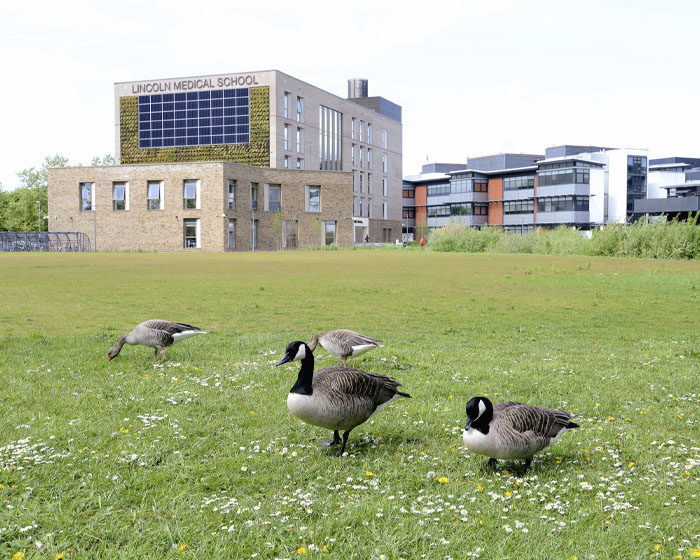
[
  {"x": 527, "y": 418},
  {"x": 379, "y": 389},
  {"x": 346, "y": 339},
  {"x": 168, "y": 326}
]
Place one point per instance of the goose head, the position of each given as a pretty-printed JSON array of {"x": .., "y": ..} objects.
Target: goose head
[
  {"x": 297, "y": 350},
  {"x": 114, "y": 350},
  {"x": 479, "y": 413}
]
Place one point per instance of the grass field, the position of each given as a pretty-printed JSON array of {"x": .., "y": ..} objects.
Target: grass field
[{"x": 198, "y": 457}]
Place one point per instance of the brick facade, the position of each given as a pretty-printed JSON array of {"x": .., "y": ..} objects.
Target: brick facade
[{"x": 138, "y": 228}]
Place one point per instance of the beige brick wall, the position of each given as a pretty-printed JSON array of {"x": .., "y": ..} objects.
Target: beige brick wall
[{"x": 162, "y": 230}]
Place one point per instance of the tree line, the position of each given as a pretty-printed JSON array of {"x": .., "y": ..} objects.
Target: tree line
[{"x": 20, "y": 208}]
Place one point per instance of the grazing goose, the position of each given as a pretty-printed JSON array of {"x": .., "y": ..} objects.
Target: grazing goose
[
  {"x": 344, "y": 343},
  {"x": 336, "y": 398},
  {"x": 156, "y": 333},
  {"x": 512, "y": 430}
]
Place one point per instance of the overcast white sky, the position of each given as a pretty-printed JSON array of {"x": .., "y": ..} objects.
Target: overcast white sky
[{"x": 474, "y": 77}]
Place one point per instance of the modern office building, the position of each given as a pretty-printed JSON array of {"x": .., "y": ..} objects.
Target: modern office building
[
  {"x": 674, "y": 188},
  {"x": 581, "y": 186},
  {"x": 262, "y": 119}
]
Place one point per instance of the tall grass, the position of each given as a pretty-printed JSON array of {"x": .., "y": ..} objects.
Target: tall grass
[{"x": 660, "y": 239}]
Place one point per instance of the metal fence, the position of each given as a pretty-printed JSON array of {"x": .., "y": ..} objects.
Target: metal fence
[{"x": 62, "y": 241}]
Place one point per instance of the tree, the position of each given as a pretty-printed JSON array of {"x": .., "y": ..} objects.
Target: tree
[
  {"x": 19, "y": 210},
  {"x": 106, "y": 160}
]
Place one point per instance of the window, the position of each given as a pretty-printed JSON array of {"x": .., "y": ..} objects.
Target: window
[
  {"x": 369, "y": 183},
  {"x": 385, "y": 163},
  {"x": 362, "y": 203},
  {"x": 119, "y": 196},
  {"x": 385, "y": 186},
  {"x": 369, "y": 133},
  {"x": 518, "y": 182},
  {"x": 385, "y": 210},
  {"x": 300, "y": 140},
  {"x": 231, "y": 234},
  {"x": 362, "y": 187},
  {"x": 155, "y": 195},
  {"x": 481, "y": 209},
  {"x": 254, "y": 196},
  {"x": 362, "y": 163},
  {"x": 191, "y": 233},
  {"x": 362, "y": 125},
  {"x": 329, "y": 232},
  {"x": 439, "y": 211},
  {"x": 519, "y": 207},
  {"x": 369, "y": 207},
  {"x": 286, "y": 104},
  {"x": 87, "y": 192},
  {"x": 194, "y": 118},
  {"x": 409, "y": 213},
  {"x": 313, "y": 198},
  {"x": 274, "y": 198},
  {"x": 480, "y": 186},
  {"x": 300, "y": 109},
  {"x": 352, "y": 128},
  {"x": 369, "y": 158},
  {"x": 330, "y": 139},
  {"x": 385, "y": 138},
  {"x": 286, "y": 162},
  {"x": 253, "y": 234},
  {"x": 191, "y": 194},
  {"x": 300, "y": 163},
  {"x": 231, "y": 194},
  {"x": 289, "y": 234},
  {"x": 441, "y": 189},
  {"x": 352, "y": 155},
  {"x": 286, "y": 137},
  {"x": 563, "y": 204},
  {"x": 409, "y": 193}
]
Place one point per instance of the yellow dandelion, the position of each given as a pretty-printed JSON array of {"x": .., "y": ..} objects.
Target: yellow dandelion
[
  {"x": 60, "y": 556},
  {"x": 597, "y": 404},
  {"x": 301, "y": 550},
  {"x": 442, "y": 479},
  {"x": 18, "y": 556},
  {"x": 325, "y": 548},
  {"x": 369, "y": 473},
  {"x": 479, "y": 488},
  {"x": 509, "y": 494},
  {"x": 656, "y": 548},
  {"x": 573, "y": 558},
  {"x": 695, "y": 552},
  {"x": 631, "y": 464},
  {"x": 182, "y": 547}
]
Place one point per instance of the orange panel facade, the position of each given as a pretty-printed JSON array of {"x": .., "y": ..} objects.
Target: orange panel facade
[
  {"x": 496, "y": 207},
  {"x": 421, "y": 202}
]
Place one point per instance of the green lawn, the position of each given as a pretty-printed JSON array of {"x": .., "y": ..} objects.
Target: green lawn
[{"x": 198, "y": 457}]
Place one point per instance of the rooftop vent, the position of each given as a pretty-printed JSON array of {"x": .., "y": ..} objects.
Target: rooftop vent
[{"x": 357, "y": 87}]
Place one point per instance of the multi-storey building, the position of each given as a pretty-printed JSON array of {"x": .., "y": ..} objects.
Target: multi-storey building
[
  {"x": 674, "y": 188},
  {"x": 264, "y": 119},
  {"x": 581, "y": 186}
]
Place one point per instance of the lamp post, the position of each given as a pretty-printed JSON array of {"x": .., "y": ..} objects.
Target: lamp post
[{"x": 39, "y": 214}]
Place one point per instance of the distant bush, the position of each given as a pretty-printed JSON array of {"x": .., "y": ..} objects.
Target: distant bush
[{"x": 660, "y": 239}]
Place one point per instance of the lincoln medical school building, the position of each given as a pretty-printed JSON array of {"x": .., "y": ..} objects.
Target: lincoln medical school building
[
  {"x": 580, "y": 186},
  {"x": 233, "y": 162}
]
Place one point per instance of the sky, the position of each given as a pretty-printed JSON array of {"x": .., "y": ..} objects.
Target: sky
[{"x": 474, "y": 77}]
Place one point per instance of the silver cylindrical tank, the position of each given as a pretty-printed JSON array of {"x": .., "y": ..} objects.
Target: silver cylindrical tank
[{"x": 357, "y": 87}]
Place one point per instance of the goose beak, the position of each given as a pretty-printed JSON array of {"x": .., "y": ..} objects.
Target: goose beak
[
  {"x": 109, "y": 358},
  {"x": 469, "y": 424},
  {"x": 284, "y": 360}
]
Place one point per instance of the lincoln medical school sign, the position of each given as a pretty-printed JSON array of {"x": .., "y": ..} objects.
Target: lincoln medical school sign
[{"x": 195, "y": 83}]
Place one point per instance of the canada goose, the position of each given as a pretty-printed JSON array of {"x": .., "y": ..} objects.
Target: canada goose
[
  {"x": 156, "y": 333},
  {"x": 512, "y": 430},
  {"x": 344, "y": 343},
  {"x": 336, "y": 398}
]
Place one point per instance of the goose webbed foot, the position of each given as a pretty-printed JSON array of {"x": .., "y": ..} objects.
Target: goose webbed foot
[
  {"x": 345, "y": 440},
  {"x": 330, "y": 442},
  {"x": 527, "y": 466},
  {"x": 491, "y": 463}
]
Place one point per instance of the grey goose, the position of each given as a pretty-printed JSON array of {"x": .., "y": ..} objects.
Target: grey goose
[
  {"x": 336, "y": 398},
  {"x": 156, "y": 333},
  {"x": 344, "y": 343},
  {"x": 512, "y": 430}
]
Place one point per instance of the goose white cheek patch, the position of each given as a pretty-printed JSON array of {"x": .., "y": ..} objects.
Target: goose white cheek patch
[
  {"x": 482, "y": 409},
  {"x": 301, "y": 353}
]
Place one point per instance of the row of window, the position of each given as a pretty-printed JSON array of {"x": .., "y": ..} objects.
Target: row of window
[
  {"x": 155, "y": 196},
  {"x": 458, "y": 186},
  {"x": 563, "y": 204},
  {"x": 567, "y": 164},
  {"x": 361, "y": 177},
  {"x": 518, "y": 182},
  {"x": 563, "y": 177},
  {"x": 519, "y": 207},
  {"x": 299, "y": 139},
  {"x": 299, "y": 107},
  {"x": 360, "y": 162},
  {"x": 357, "y": 128},
  {"x": 330, "y": 139},
  {"x": 457, "y": 209},
  {"x": 192, "y": 233},
  {"x": 363, "y": 207}
]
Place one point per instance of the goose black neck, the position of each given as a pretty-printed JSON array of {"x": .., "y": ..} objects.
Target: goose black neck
[
  {"x": 303, "y": 385},
  {"x": 483, "y": 422}
]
